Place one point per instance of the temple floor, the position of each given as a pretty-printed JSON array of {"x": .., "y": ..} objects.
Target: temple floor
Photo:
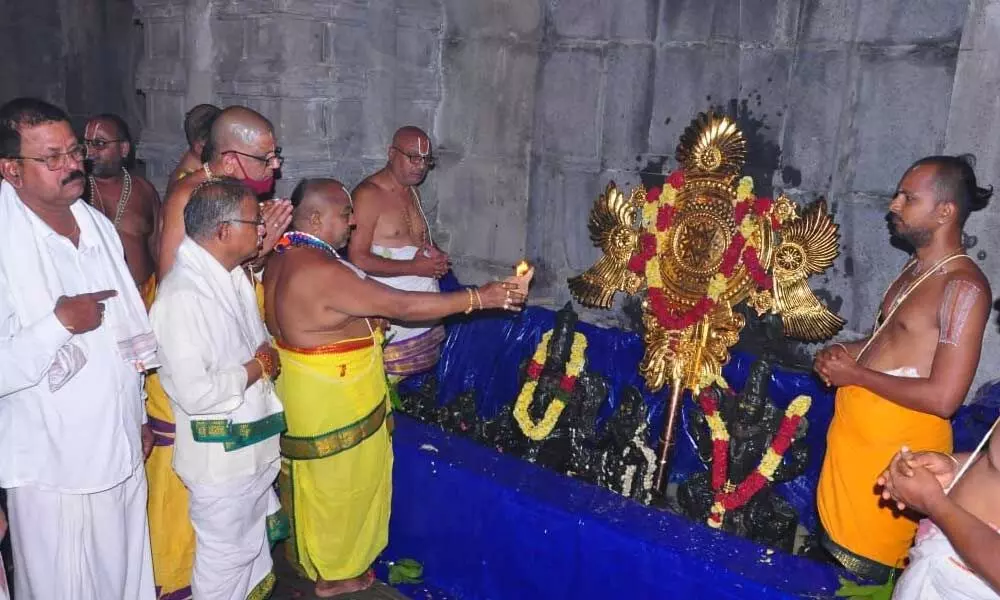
[{"x": 292, "y": 587}]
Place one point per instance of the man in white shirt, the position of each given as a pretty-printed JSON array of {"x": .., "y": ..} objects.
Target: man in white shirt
[
  {"x": 74, "y": 342},
  {"x": 218, "y": 366}
]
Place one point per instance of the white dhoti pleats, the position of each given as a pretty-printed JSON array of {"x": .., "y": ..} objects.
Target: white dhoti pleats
[
  {"x": 936, "y": 572},
  {"x": 232, "y": 555},
  {"x": 82, "y": 546}
]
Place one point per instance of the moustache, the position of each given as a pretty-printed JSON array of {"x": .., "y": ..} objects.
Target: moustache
[{"x": 72, "y": 176}]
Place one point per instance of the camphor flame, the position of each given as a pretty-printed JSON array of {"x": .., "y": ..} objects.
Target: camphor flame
[{"x": 522, "y": 268}]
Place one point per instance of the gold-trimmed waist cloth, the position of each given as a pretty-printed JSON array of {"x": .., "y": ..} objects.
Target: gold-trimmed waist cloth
[
  {"x": 340, "y": 439},
  {"x": 234, "y": 436}
]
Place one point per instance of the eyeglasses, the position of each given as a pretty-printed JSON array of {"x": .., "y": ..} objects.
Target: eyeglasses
[
  {"x": 416, "y": 159},
  {"x": 100, "y": 144},
  {"x": 270, "y": 159},
  {"x": 258, "y": 223},
  {"x": 54, "y": 162}
]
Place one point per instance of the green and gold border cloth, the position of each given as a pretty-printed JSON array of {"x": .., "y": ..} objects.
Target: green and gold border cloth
[
  {"x": 338, "y": 440},
  {"x": 263, "y": 590},
  {"x": 278, "y": 527},
  {"x": 857, "y": 564},
  {"x": 234, "y": 436}
]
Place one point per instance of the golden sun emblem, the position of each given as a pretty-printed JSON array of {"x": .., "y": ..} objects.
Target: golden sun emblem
[
  {"x": 700, "y": 244},
  {"x": 789, "y": 257}
]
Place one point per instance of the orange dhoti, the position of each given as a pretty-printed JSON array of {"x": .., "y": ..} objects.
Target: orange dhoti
[{"x": 867, "y": 536}]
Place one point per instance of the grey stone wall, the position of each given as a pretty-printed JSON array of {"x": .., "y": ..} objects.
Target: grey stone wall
[
  {"x": 535, "y": 104},
  {"x": 78, "y": 54}
]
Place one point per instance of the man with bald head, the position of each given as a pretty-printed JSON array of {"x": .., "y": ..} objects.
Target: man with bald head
[
  {"x": 336, "y": 454},
  {"x": 197, "y": 127},
  {"x": 127, "y": 199},
  {"x": 393, "y": 244},
  {"x": 241, "y": 145}
]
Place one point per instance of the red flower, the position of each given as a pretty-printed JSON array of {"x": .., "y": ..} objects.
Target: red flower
[
  {"x": 653, "y": 195},
  {"x": 720, "y": 462},
  {"x": 534, "y": 370},
  {"x": 676, "y": 179},
  {"x": 665, "y": 217},
  {"x": 647, "y": 245},
  {"x": 762, "y": 205},
  {"x": 637, "y": 264},
  {"x": 567, "y": 383},
  {"x": 732, "y": 254},
  {"x": 741, "y": 209}
]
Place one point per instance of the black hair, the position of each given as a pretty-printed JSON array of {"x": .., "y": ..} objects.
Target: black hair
[
  {"x": 24, "y": 112},
  {"x": 198, "y": 123},
  {"x": 955, "y": 181},
  {"x": 124, "y": 134}
]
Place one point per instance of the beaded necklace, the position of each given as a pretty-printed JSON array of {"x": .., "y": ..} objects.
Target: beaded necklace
[
  {"x": 298, "y": 239},
  {"x": 95, "y": 196}
]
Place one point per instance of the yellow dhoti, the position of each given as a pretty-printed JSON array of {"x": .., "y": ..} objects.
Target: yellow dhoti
[
  {"x": 868, "y": 537},
  {"x": 170, "y": 533},
  {"x": 336, "y": 471}
]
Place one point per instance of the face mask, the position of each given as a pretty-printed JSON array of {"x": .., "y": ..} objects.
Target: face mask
[{"x": 260, "y": 187}]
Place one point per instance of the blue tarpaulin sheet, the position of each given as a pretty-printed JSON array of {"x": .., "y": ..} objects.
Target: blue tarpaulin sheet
[
  {"x": 488, "y": 526},
  {"x": 483, "y": 354}
]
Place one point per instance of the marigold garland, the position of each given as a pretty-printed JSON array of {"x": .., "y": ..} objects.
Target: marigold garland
[
  {"x": 727, "y": 496},
  {"x": 567, "y": 383},
  {"x": 657, "y": 218}
]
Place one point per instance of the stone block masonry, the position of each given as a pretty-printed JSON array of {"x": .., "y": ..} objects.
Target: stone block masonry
[{"x": 534, "y": 105}]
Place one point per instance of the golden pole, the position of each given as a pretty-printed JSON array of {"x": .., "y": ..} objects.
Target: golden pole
[
  {"x": 677, "y": 387},
  {"x": 666, "y": 438}
]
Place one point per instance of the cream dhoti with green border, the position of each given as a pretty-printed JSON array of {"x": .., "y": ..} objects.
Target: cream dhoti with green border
[
  {"x": 336, "y": 468},
  {"x": 226, "y": 438}
]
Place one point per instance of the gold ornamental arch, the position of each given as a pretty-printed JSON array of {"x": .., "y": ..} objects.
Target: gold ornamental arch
[{"x": 699, "y": 246}]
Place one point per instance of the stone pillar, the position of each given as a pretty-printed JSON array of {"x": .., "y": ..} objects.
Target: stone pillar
[
  {"x": 162, "y": 79},
  {"x": 974, "y": 126}
]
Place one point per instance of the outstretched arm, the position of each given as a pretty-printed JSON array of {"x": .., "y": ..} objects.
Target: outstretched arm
[{"x": 346, "y": 293}]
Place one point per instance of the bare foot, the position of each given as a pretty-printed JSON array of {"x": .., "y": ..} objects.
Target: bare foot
[{"x": 332, "y": 589}]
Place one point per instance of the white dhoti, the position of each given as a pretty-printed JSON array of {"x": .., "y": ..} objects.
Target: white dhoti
[
  {"x": 413, "y": 347},
  {"x": 82, "y": 546},
  {"x": 936, "y": 572},
  {"x": 232, "y": 555},
  {"x": 408, "y": 283}
]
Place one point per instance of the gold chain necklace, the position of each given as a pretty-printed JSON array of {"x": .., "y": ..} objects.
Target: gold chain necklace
[{"x": 126, "y": 195}]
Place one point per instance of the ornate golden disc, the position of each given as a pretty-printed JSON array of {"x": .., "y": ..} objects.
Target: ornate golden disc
[{"x": 699, "y": 241}]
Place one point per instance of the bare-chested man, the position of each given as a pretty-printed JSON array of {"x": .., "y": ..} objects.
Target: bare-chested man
[
  {"x": 393, "y": 244},
  {"x": 955, "y": 555},
  {"x": 337, "y": 467},
  {"x": 197, "y": 127},
  {"x": 128, "y": 200},
  {"x": 900, "y": 386},
  {"x": 242, "y": 146}
]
